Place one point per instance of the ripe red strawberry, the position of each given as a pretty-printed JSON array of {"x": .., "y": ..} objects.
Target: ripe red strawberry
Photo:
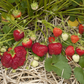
[
  {"x": 16, "y": 13},
  {"x": 27, "y": 43},
  {"x": 18, "y": 35},
  {"x": 74, "y": 38},
  {"x": 57, "y": 32},
  {"x": 9, "y": 49},
  {"x": 0, "y": 54},
  {"x": 51, "y": 39},
  {"x": 80, "y": 51},
  {"x": 15, "y": 59},
  {"x": 39, "y": 49},
  {"x": 69, "y": 51},
  {"x": 55, "y": 48},
  {"x": 81, "y": 29}
]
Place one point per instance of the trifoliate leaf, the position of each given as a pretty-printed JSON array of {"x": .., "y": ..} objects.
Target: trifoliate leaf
[
  {"x": 24, "y": 4},
  {"x": 79, "y": 74},
  {"x": 6, "y": 29},
  {"x": 48, "y": 64},
  {"x": 59, "y": 65},
  {"x": 56, "y": 58},
  {"x": 64, "y": 68}
]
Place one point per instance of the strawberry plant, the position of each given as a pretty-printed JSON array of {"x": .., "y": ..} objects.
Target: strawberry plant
[{"x": 42, "y": 34}]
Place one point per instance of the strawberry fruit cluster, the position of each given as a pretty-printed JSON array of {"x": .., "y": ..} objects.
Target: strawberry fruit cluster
[{"x": 15, "y": 58}]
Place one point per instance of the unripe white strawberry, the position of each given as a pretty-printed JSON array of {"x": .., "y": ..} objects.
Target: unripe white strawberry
[
  {"x": 36, "y": 58},
  {"x": 24, "y": 21},
  {"x": 33, "y": 37},
  {"x": 34, "y": 5},
  {"x": 65, "y": 36},
  {"x": 13, "y": 70},
  {"x": 34, "y": 63},
  {"x": 76, "y": 58},
  {"x": 3, "y": 49}
]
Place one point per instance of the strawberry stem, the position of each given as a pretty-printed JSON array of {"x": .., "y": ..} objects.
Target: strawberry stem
[{"x": 16, "y": 44}]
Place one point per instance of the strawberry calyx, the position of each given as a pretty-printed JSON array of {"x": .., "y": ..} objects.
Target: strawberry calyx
[
  {"x": 42, "y": 43},
  {"x": 16, "y": 13},
  {"x": 12, "y": 53},
  {"x": 26, "y": 40},
  {"x": 27, "y": 43},
  {"x": 81, "y": 47},
  {"x": 20, "y": 31}
]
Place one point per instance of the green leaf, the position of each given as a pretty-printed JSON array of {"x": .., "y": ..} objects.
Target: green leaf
[
  {"x": 6, "y": 29},
  {"x": 72, "y": 18},
  {"x": 58, "y": 64},
  {"x": 11, "y": 1},
  {"x": 24, "y": 4},
  {"x": 79, "y": 74},
  {"x": 41, "y": 58},
  {"x": 64, "y": 68},
  {"x": 17, "y": 0},
  {"x": 22, "y": 9},
  {"x": 56, "y": 58},
  {"x": 81, "y": 61},
  {"x": 48, "y": 64}
]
